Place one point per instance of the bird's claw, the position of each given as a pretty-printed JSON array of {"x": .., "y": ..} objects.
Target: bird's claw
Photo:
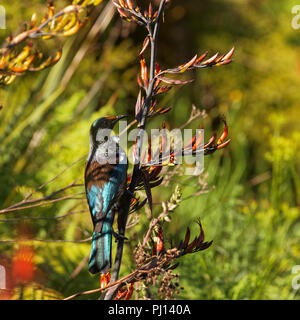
[
  {"x": 118, "y": 236},
  {"x": 131, "y": 194}
]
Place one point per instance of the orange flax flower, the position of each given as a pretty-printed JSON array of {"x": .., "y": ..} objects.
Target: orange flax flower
[{"x": 23, "y": 265}]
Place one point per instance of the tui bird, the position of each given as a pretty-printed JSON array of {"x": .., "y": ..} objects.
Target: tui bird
[{"x": 105, "y": 183}]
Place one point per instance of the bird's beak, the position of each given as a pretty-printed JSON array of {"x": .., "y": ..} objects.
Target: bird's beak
[
  {"x": 115, "y": 119},
  {"x": 121, "y": 117}
]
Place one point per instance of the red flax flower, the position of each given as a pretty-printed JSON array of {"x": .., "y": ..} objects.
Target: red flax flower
[
  {"x": 125, "y": 293},
  {"x": 122, "y": 293},
  {"x": 149, "y": 175},
  {"x": 23, "y": 265},
  {"x": 160, "y": 242},
  {"x": 104, "y": 280}
]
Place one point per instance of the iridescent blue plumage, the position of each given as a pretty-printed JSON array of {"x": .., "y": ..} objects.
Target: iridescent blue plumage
[{"x": 105, "y": 182}]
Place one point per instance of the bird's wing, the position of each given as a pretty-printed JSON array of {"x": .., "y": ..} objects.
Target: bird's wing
[{"x": 103, "y": 183}]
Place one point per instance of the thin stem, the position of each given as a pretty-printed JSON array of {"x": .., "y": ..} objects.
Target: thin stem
[
  {"x": 30, "y": 203},
  {"x": 153, "y": 223},
  {"x": 141, "y": 127},
  {"x": 36, "y": 32},
  {"x": 29, "y": 241}
]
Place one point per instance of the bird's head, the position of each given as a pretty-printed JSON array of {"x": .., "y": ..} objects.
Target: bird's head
[{"x": 101, "y": 128}]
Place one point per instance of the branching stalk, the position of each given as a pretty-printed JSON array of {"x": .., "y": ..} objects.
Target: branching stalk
[{"x": 153, "y": 34}]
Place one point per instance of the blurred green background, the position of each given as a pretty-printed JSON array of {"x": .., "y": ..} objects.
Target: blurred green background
[{"x": 252, "y": 209}]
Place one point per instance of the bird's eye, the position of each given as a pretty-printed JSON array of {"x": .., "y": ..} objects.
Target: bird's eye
[{"x": 105, "y": 138}]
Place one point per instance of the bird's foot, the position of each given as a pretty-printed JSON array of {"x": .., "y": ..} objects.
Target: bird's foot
[
  {"x": 115, "y": 207},
  {"x": 131, "y": 194},
  {"x": 118, "y": 236}
]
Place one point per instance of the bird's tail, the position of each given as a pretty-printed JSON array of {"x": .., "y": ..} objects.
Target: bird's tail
[{"x": 100, "y": 256}]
